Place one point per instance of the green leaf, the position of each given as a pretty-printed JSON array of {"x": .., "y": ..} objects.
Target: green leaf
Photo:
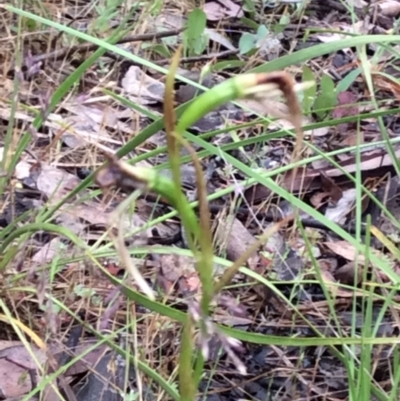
[
  {"x": 228, "y": 64},
  {"x": 327, "y": 99},
  {"x": 160, "y": 49},
  {"x": 249, "y": 6},
  {"x": 197, "y": 21},
  {"x": 31, "y": 25},
  {"x": 327, "y": 85},
  {"x": 170, "y": 41},
  {"x": 309, "y": 93},
  {"x": 262, "y": 32},
  {"x": 200, "y": 44},
  {"x": 195, "y": 42},
  {"x": 246, "y": 43},
  {"x": 284, "y": 20},
  {"x": 83, "y": 291},
  {"x": 347, "y": 81},
  {"x": 249, "y": 22}
]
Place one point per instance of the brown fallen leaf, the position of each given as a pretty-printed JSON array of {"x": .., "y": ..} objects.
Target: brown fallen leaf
[
  {"x": 353, "y": 138},
  {"x": 330, "y": 186},
  {"x": 235, "y": 238},
  {"x": 334, "y": 288},
  {"x": 346, "y": 273},
  {"x": 100, "y": 114},
  {"x": 173, "y": 268},
  {"x": 319, "y": 199},
  {"x": 349, "y": 252},
  {"x": 142, "y": 88},
  {"x": 305, "y": 180},
  {"x": 14, "y": 380},
  {"x": 369, "y": 161},
  {"x": 345, "y": 106},
  {"x": 47, "y": 252},
  {"x": 390, "y": 8},
  {"x": 55, "y": 183},
  {"x": 345, "y": 250},
  {"x": 309, "y": 179},
  {"x": 220, "y": 9},
  {"x": 339, "y": 211},
  {"x": 15, "y": 363},
  {"x": 19, "y": 355}
]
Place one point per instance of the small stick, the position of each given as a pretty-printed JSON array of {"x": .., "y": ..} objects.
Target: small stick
[{"x": 60, "y": 53}]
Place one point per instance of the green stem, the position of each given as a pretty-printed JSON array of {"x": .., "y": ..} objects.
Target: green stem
[{"x": 35, "y": 227}]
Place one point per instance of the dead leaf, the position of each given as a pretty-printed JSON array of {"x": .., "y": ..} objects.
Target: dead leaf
[
  {"x": 308, "y": 179},
  {"x": 279, "y": 110},
  {"x": 357, "y": 3},
  {"x": 346, "y": 273},
  {"x": 81, "y": 131},
  {"x": 217, "y": 37},
  {"x": 15, "y": 362},
  {"x": 57, "y": 124},
  {"x": 165, "y": 21},
  {"x": 359, "y": 27},
  {"x": 85, "y": 362},
  {"x": 101, "y": 115},
  {"x": 329, "y": 186},
  {"x": 369, "y": 161},
  {"x": 335, "y": 290},
  {"x": 338, "y": 212},
  {"x": 319, "y": 199},
  {"x": 390, "y": 8},
  {"x": 353, "y": 138},
  {"x": 14, "y": 380},
  {"x": 141, "y": 88},
  {"x": 175, "y": 266},
  {"x": 6, "y": 87},
  {"x": 220, "y": 9},
  {"x": 178, "y": 269},
  {"x": 386, "y": 84},
  {"x": 384, "y": 277},
  {"x": 345, "y": 99},
  {"x": 234, "y": 237},
  {"x": 72, "y": 222},
  {"x": 349, "y": 252},
  {"x": 345, "y": 249},
  {"x": 48, "y": 252},
  {"x": 22, "y": 169},
  {"x": 55, "y": 183},
  {"x": 19, "y": 355},
  {"x": 305, "y": 180}
]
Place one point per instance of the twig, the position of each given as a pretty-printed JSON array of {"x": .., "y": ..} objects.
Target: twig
[
  {"x": 204, "y": 57},
  {"x": 266, "y": 215},
  {"x": 183, "y": 60},
  {"x": 84, "y": 47}
]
